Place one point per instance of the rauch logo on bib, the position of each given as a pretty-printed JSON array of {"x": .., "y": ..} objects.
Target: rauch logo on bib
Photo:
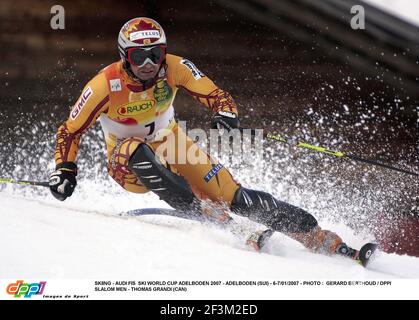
[{"x": 136, "y": 108}]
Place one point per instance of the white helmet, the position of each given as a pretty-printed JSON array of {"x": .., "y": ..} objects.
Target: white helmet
[{"x": 140, "y": 33}]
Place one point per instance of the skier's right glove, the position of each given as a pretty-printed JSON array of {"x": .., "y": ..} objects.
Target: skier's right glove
[{"x": 63, "y": 181}]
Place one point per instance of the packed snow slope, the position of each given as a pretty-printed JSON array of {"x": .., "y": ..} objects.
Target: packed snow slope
[{"x": 44, "y": 238}]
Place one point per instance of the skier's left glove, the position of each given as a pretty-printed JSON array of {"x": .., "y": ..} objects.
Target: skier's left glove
[
  {"x": 63, "y": 181},
  {"x": 225, "y": 120}
]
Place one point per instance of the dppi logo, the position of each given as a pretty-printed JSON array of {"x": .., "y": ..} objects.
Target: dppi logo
[{"x": 27, "y": 290}]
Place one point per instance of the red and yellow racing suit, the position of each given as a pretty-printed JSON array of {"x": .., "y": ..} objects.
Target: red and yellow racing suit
[{"x": 130, "y": 115}]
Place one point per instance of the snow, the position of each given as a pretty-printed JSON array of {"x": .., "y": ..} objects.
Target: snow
[
  {"x": 43, "y": 239},
  {"x": 405, "y": 9}
]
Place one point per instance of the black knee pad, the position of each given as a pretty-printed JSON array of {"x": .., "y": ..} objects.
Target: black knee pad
[
  {"x": 157, "y": 178},
  {"x": 262, "y": 207}
]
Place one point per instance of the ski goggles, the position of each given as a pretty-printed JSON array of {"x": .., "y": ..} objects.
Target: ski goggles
[{"x": 140, "y": 56}]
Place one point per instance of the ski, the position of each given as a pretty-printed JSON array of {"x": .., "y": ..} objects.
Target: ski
[
  {"x": 165, "y": 212},
  {"x": 254, "y": 239},
  {"x": 365, "y": 253}
]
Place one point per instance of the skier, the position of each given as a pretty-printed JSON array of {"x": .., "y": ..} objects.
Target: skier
[{"x": 133, "y": 100}]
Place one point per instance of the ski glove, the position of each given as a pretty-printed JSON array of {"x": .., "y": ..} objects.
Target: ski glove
[
  {"x": 225, "y": 120},
  {"x": 63, "y": 181}
]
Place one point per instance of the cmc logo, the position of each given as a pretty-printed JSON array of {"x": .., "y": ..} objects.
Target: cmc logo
[
  {"x": 27, "y": 290},
  {"x": 135, "y": 108}
]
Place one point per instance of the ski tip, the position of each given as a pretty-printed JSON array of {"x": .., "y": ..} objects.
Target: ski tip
[{"x": 366, "y": 252}]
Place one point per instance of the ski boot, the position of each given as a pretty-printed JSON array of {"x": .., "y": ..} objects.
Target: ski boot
[
  {"x": 362, "y": 256},
  {"x": 220, "y": 215},
  {"x": 258, "y": 239}
]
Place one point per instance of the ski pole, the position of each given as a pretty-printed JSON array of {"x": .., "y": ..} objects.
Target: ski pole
[
  {"x": 25, "y": 183},
  {"x": 338, "y": 154}
]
